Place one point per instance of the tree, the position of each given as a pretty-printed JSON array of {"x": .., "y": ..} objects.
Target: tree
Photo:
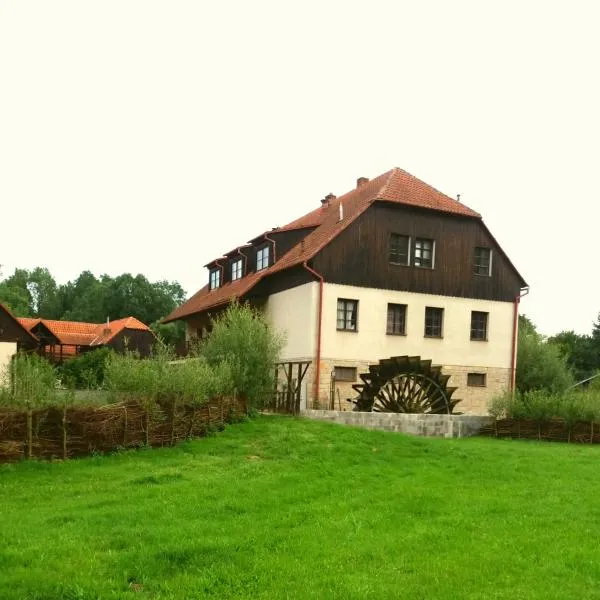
[
  {"x": 170, "y": 333},
  {"x": 92, "y": 299},
  {"x": 540, "y": 365},
  {"x": 578, "y": 352},
  {"x": 32, "y": 293}
]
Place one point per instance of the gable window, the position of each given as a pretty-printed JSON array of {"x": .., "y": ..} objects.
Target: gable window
[
  {"x": 396, "y": 319},
  {"x": 399, "y": 249},
  {"x": 476, "y": 379},
  {"x": 344, "y": 373},
  {"x": 215, "y": 279},
  {"x": 423, "y": 255},
  {"x": 347, "y": 314},
  {"x": 262, "y": 258},
  {"x": 479, "y": 325},
  {"x": 236, "y": 269},
  {"x": 434, "y": 320},
  {"x": 483, "y": 261}
]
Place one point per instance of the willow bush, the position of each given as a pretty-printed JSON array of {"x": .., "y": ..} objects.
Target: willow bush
[
  {"x": 242, "y": 339},
  {"x": 161, "y": 378},
  {"x": 29, "y": 382}
]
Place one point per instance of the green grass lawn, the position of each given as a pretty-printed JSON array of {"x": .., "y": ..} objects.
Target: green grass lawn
[{"x": 285, "y": 508}]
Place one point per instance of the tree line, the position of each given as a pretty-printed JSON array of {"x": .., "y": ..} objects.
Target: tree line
[
  {"x": 35, "y": 293},
  {"x": 555, "y": 363}
]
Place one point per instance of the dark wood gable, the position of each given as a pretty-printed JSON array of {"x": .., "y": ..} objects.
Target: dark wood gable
[
  {"x": 46, "y": 337},
  {"x": 12, "y": 331},
  {"x": 360, "y": 255}
]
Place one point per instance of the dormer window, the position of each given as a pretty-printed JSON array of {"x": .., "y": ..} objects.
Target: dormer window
[
  {"x": 262, "y": 258},
  {"x": 215, "y": 279},
  {"x": 236, "y": 269}
]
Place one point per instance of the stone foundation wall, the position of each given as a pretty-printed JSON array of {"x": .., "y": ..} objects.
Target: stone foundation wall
[
  {"x": 448, "y": 426},
  {"x": 474, "y": 400}
]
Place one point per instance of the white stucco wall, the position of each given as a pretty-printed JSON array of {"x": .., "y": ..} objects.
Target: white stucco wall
[
  {"x": 7, "y": 349},
  {"x": 370, "y": 342},
  {"x": 293, "y": 312}
]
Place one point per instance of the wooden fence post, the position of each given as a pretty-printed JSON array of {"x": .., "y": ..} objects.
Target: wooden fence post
[
  {"x": 29, "y": 433},
  {"x": 64, "y": 431},
  {"x": 147, "y": 426},
  {"x": 125, "y": 423},
  {"x": 173, "y": 408}
]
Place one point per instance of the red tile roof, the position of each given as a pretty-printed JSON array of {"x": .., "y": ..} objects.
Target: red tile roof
[
  {"x": 77, "y": 333},
  {"x": 396, "y": 186}
]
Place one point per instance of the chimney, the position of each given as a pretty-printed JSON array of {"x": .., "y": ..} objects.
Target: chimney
[
  {"x": 327, "y": 200},
  {"x": 361, "y": 181},
  {"x": 341, "y": 212}
]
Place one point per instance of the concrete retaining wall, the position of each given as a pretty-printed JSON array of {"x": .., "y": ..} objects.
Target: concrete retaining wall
[{"x": 449, "y": 426}]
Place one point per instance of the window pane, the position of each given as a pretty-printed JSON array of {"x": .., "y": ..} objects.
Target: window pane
[
  {"x": 476, "y": 379},
  {"x": 396, "y": 319},
  {"x": 344, "y": 373},
  {"x": 347, "y": 314},
  {"x": 433, "y": 321},
  {"x": 482, "y": 261},
  {"x": 479, "y": 321},
  {"x": 423, "y": 254},
  {"x": 399, "y": 245}
]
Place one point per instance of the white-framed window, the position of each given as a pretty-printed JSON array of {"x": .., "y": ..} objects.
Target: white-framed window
[
  {"x": 424, "y": 253},
  {"x": 262, "y": 258},
  {"x": 236, "y": 269},
  {"x": 483, "y": 261},
  {"x": 347, "y": 314},
  {"x": 215, "y": 278}
]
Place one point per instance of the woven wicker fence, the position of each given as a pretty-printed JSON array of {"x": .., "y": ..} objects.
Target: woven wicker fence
[
  {"x": 553, "y": 430},
  {"x": 69, "y": 431}
]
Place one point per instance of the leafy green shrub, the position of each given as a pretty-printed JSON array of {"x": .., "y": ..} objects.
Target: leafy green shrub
[
  {"x": 538, "y": 405},
  {"x": 242, "y": 338},
  {"x": 85, "y": 371}
]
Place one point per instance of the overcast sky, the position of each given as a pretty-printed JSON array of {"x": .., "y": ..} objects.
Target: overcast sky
[{"x": 141, "y": 136}]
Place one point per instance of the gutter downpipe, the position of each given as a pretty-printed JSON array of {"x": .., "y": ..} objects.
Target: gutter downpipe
[
  {"x": 319, "y": 322},
  {"x": 513, "y": 378},
  {"x": 274, "y": 247}
]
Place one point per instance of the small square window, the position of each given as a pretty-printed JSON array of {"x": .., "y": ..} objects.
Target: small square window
[
  {"x": 423, "y": 255},
  {"x": 434, "y": 319},
  {"x": 479, "y": 326},
  {"x": 215, "y": 279},
  {"x": 236, "y": 269},
  {"x": 344, "y": 373},
  {"x": 476, "y": 379},
  {"x": 347, "y": 314},
  {"x": 483, "y": 261},
  {"x": 399, "y": 253},
  {"x": 396, "y": 319},
  {"x": 262, "y": 258}
]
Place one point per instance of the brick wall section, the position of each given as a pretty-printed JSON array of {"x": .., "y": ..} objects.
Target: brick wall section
[
  {"x": 474, "y": 400},
  {"x": 447, "y": 426}
]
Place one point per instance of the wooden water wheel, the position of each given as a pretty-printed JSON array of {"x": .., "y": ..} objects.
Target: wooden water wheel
[{"x": 404, "y": 384}]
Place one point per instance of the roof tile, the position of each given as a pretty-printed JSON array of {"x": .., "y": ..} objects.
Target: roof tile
[{"x": 395, "y": 186}]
